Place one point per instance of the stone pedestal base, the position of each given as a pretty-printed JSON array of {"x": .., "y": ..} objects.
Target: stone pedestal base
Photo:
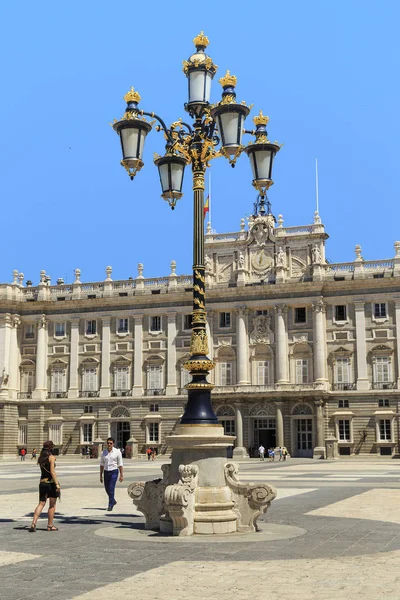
[
  {"x": 240, "y": 452},
  {"x": 200, "y": 492},
  {"x": 319, "y": 452}
]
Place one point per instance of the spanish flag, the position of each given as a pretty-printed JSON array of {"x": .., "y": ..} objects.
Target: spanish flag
[{"x": 206, "y": 206}]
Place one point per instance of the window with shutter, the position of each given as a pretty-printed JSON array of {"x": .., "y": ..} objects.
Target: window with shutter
[
  {"x": 90, "y": 380},
  {"x": 263, "y": 372},
  {"x": 382, "y": 369},
  {"x": 225, "y": 373},
  {"x": 27, "y": 381},
  {"x": 87, "y": 433},
  {"x": 301, "y": 371},
  {"x": 121, "y": 378},
  {"x": 342, "y": 370},
  {"x": 154, "y": 376},
  {"x": 58, "y": 380}
]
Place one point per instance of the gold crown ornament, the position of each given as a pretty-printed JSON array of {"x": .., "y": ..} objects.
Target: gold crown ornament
[
  {"x": 132, "y": 96},
  {"x": 201, "y": 40},
  {"x": 260, "y": 119},
  {"x": 228, "y": 79}
]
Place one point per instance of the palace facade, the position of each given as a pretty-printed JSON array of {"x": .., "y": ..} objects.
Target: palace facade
[{"x": 306, "y": 352}]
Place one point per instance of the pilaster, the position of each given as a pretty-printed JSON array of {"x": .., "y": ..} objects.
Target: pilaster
[
  {"x": 282, "y": 351},
  {"x": 73, "y": 359},
  {"x": 138, "y": 356},
  {"x": 105, "y": 357},
  {"x": 40, "y": 390},
  {"x": 239, "y": 450},
  {"x": 242, "y": 346},
  {"x": 14, "y": 357},
  {"x": 362, "y": 377},
  {"x": 280, "y": 440},
  {"x": 319, "y": 450},
  {"x": 171, "y": 389},
  {"x": 397, "y": 316},
  {"x": 319, "y": 326}
]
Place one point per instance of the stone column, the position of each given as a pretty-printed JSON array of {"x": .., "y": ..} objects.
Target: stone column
[
  {"x": 280, "y": 439},
  {"x": 281, "y": 345},
  {"x": 239, "y": 450},
  {"x": 172, "y": 389},
  {"x": 5, "y": 337},
  {"x": 14, "y": 359},
  {"x": 397, "y": 313},
  {"x": 105, "y": 357},
  {"x": 362, "y": 375},
  {"x": 40, "y": 390},
  {"x": 138, "y": 356},
  {"x": 319, "y": 450},
  {"x": 319, "y": 342},
  {"x": 73, "y": 359},
  {"x": 242, "y": 346}
]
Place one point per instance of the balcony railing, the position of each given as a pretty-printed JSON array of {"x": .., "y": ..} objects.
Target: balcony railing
[
  {"x": 57, "y": 394},
  {"x": 343, "y": 387},
  {"x": 383, "y": 385},
  {"x": 155, "y": 392},
  {"x": 85, "y": 394},
  {"x": 24, "y": 395},
  {"x": 121, "y": 392}
]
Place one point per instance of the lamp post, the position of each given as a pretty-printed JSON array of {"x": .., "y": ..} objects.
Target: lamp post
[{"x": 216, "y": 131}]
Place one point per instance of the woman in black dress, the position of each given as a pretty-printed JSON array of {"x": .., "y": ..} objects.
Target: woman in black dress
[{"x": 49, "y": 488}]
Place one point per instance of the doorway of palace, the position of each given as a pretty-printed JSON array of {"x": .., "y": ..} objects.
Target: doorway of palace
[
  {"x": 304, "y": 438},
  {"x": 265, "y": 433},
  {"x": 122, "y": 433}
]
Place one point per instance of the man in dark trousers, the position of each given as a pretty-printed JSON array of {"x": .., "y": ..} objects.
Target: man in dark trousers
[{"x": 110, "y": 465}]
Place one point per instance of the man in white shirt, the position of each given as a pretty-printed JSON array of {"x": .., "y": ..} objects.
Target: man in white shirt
[
  {"x": 261, "y": 452},
  {"x": 110, "y": 464}
]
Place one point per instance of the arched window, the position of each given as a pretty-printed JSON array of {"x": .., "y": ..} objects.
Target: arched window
[{"x": 302, "y": 409}]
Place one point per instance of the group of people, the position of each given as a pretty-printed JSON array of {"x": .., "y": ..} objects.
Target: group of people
[
  {"x": 23, "y": 452},
  {"x": 111, "y": 466},
  {"x": 272, "y": 452},
  {"x": 151, "y": 453}
]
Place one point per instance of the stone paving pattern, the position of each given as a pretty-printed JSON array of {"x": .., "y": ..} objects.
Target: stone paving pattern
[{"x": 350, "y": 511}]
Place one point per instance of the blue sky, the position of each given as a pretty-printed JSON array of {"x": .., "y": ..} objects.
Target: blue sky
[{"x": 326, "y": 72}]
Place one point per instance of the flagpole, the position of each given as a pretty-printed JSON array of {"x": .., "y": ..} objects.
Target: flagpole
[{"x": 316, "y": 184}]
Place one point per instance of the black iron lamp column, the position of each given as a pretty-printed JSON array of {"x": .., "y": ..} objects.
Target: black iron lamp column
[{"x": 218, "y": 125}]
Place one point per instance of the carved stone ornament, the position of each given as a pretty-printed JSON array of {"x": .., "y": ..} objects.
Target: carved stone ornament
[
  {"x": 261, "y": 229},
  {"x": 180, "y": 500},
  {"x": 261, "y": 333},
  {"x": 261, "y": 261},
  {"x": 251, "y": 500},
  {"x": 148, "y": 497}
]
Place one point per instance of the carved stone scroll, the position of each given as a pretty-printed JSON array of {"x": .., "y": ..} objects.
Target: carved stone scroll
[
  {"x": 180, "y": 500},
  {"x": 148, "y": 497},
  {"x": 251, "y": 500}
]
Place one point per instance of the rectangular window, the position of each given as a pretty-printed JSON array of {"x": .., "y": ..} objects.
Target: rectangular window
[
  {"x": 88, "y": 409},
  {"x": 90, "y": 380},
  {"x": 385, "y": 430},
  {"x": 87, "y": 433},
  {"x": 229, "y": 426},
  {"x": 187, "y": 321},
  {"x": 59, "y": 329},
  {"x": 27, "y": 381},
  {"x": 22, "y": 435},
  {"x": 383, "y": 403},
  {"x": 300, "y": 315},
  {"x": 55, "y": 433},
  {"x": 154, "y": 432},
  {"x": 91, "y": 327},
  {"x": 340, "y": 312},
  {"x": 29, "y": 332},
  {"x": 155, "y": 323},
  {"x": 344, "y": 430},
  {"x": 263, "y": 372},
  {"x": 225, "y": 373},
  {"x": 342, "y": 370},
  {"x": 185, "y": 377},
  {"x": 261, "y": 313},
  {"x": 224, "y": 319},
  {"x": 382, "y": 369},
  {"x": 123, "y": 325},
  {"x": 154, "y": 377},
  {"x": 301, "y": 371},
  {"x": 121, "y": 378},
  {"x": 58, "y": 380},
  {"x": 343, "y": 404},
  {"x": 380, "y": 310},
  {"x": 153, "y": 407}
]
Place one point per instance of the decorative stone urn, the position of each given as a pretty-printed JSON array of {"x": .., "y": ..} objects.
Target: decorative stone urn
[{"x": 200, "y": 492}]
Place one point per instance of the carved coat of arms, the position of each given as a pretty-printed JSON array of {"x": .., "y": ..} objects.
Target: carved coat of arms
[{"x": 261, "y": 333}]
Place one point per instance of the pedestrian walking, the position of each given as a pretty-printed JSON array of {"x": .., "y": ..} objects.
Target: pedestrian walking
[
  {"x": 285, "y": 453},
  {"x": 149, "y": 452},
  {"x": 23, "y": 454},
  {"x": 280, "y": 452},
  {"x": 153, "y": 454},
  {"x": 49, "y": 487},
  {"x": 33, "y": 454},
  {"x": 110, "y": 465},
  {"x": 261, "y": 452},
  {"x": 272, "y": 454}
]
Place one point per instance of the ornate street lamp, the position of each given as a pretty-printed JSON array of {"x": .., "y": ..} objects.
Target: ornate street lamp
[{"x": 218, "y": 125}]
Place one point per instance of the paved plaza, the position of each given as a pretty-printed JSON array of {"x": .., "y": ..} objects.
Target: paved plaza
[{"x": 333, "y": 532}]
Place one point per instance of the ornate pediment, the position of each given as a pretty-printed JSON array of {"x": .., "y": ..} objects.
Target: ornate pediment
[{"x": 261, "y": 333}]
